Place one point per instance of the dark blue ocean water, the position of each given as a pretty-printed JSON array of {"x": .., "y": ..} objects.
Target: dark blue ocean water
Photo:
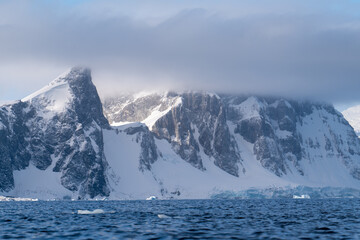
[{"x": 187, "y": 219}]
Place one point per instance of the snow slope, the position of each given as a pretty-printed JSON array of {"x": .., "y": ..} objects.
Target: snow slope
[
  {"x": 44, "y": 184},
  {"x": 170, "y": 176},
  {"x": 352, "y": 115}
]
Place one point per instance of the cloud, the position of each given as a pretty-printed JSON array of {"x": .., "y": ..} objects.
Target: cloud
[{"x": 308, "y": 49}]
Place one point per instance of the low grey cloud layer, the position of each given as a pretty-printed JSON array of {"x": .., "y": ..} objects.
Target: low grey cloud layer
[{"x": 288, "y": 48}]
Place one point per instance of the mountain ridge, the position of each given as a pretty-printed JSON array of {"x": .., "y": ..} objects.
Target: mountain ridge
[{"x": 169, "y": 144}]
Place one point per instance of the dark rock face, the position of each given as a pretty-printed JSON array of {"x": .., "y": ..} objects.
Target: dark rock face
[
  {"x": 194, "y": 122},
  {"x": 175, "y": 127},
  {"x": 87, "y": 103},
  {"x": 13, "y": 154},
  {"x": 70, "y": 139},
  {"x": 272, "y": 116},
  {"x": 206, "y": 114},
  {"x": 149, "y": 153}
]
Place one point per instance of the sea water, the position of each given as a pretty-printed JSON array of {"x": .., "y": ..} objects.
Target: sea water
[{"x": 182, "y": 219}]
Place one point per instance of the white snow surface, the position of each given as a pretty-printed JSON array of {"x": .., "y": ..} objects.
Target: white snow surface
[
  {"x": 54, "y": 97},
  {"x": 250, "y": 108},
  {"x": 352, "y": 115},
  {"x": 35, "y": 183}
]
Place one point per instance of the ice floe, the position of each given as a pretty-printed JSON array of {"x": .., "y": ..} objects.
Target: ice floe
[
  {"x": 96, "y": 211},
  {"x": 303, "y": 196}
]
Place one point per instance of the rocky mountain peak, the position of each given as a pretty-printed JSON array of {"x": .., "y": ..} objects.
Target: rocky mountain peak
[
  {"x": 73, "y": 90},
  {"x": 58, "y": 129},
  {"x": 86, "y": 99},
  {"x": 73, "y": 75}
]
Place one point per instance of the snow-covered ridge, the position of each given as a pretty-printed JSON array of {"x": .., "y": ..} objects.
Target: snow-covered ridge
[
  {"x": 57, "y": 95},
  {"x": 70, "y": 75},
  {"x": 53, "y": 85}
]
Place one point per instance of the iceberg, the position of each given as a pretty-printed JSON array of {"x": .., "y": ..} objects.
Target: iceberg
[{"x": 151, "y": 198}]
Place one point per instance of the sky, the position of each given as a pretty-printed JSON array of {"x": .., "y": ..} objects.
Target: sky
[{"x": 297, "y": 49}]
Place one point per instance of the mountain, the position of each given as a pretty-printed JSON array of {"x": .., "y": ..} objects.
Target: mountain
[
  {"x": 63, "y": 142},
  {"x": 57, "y": 130},
  {"x": 352, "y": 115},
  {"x": 259, "y": 142}
]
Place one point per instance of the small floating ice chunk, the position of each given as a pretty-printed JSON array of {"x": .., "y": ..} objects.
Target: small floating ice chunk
[
  {"x": 96, "y": 211},
  {"x": 163, "y": 216},
  {"x": 303, "y": 196},
  {"x": 151, "y": 198}
]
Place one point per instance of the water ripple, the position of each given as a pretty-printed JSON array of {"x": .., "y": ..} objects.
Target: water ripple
[{"x": 195, "y": 219}]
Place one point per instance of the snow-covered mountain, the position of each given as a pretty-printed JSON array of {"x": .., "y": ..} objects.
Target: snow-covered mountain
[
  {"x": 259, "y": 142},
  {"x": 58, "y": 142},
  {"x": 51, "y": 141},
  {"x": 353, "y": 116}
]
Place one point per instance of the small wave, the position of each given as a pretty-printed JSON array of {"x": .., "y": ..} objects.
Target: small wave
[
  {"x": 96, "y": 211},
  {"x": 163, "y": 216}
]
